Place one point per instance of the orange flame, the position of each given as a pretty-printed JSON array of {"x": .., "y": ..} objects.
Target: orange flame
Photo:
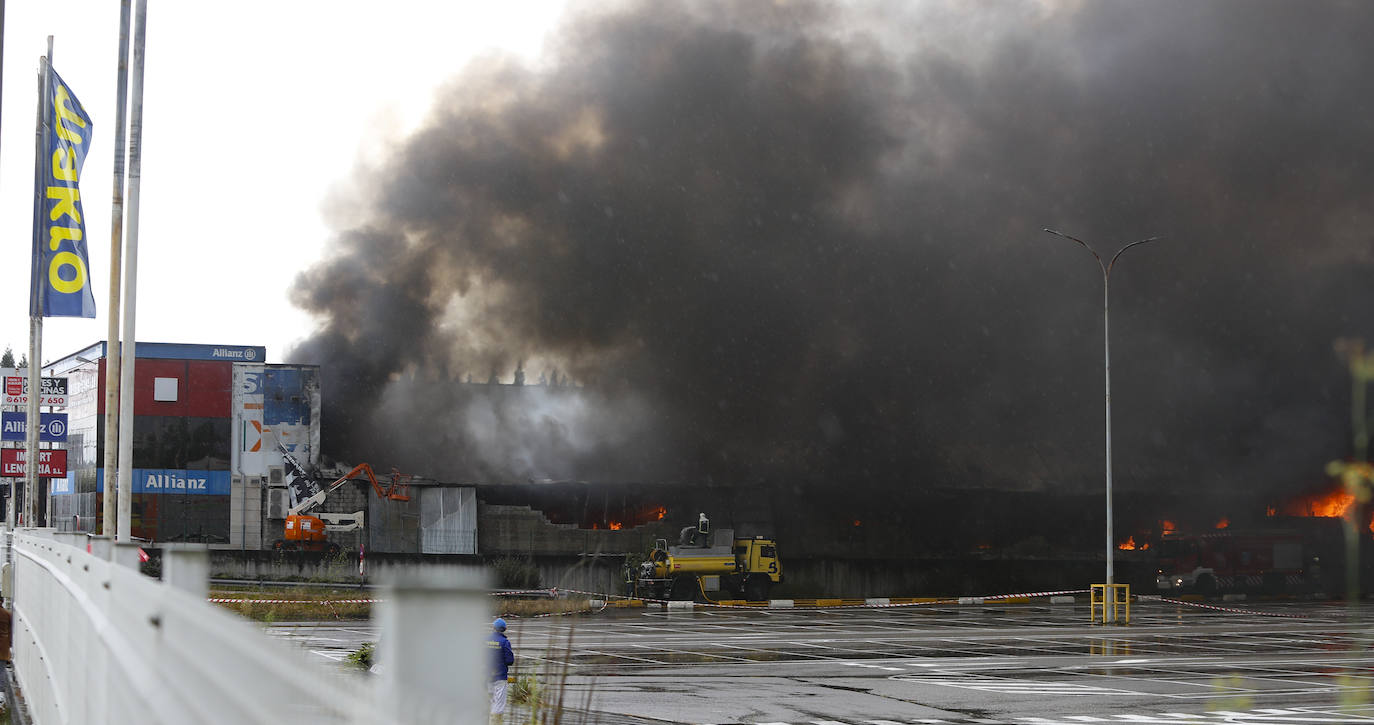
[
  {"x": 1131, "y": 545},
  {"x": 858, "y": 522},
  {"x": 615, "y": 525},
  {"x": 1271, "y": 512},
  {"x": 1330, "y": 504},
  {"x": 660, "y": 512},
  {"x": 1335, "y": 503},
  {"x": 1167, "y": 527},
  {"x": 1223, "y": 523}
]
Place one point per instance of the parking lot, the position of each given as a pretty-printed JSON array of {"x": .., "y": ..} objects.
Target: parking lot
[{"x": 1015, "y": 663}]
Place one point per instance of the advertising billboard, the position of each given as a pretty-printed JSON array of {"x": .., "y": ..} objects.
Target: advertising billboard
[
  {"x": 51, "y": 463},
  {"x": 52, "y": 427},
  {"x": 17, "y": 389}
]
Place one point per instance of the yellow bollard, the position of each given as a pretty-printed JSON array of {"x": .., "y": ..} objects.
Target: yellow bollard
[{"x": 1115, "y": 596}]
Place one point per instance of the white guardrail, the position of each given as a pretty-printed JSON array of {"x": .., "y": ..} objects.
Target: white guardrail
[{"x": 95, "y": 641}]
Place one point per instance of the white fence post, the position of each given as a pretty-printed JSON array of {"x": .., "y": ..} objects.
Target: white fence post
[
  {"x": 187, "y": 567},
  {"x": 126, "y": 554},
  {"x": 102, "y": 547},
  {"x": 433, "y": 652}
]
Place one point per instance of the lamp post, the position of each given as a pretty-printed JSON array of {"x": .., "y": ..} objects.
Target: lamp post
[{"x": 1107, "y": 371}]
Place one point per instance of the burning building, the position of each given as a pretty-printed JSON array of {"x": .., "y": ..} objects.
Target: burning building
[{"x": 792, "y": 253}]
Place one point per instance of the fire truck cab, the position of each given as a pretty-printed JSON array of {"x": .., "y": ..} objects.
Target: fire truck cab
[{"x": 1267, "y": 561}]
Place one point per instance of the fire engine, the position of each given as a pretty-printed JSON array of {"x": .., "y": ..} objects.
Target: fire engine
[{"x": 1267, "y": 561}]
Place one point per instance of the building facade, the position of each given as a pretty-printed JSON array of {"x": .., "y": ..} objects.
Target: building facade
[{"x": 207, "y": 420}]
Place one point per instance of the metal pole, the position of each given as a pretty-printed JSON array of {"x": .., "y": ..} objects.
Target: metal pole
[
  {"x": 9, "y": 505},
  {"x": 1107, "y": 397},
  {"x": 126, "y": 372},
  {"x": 36, "y": 309},
  {"x": 108, "y": 510},
  {"x": 1107, "y": 375}
]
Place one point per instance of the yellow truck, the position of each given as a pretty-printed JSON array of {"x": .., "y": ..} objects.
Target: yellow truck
[{"x": 704, "y": 562}]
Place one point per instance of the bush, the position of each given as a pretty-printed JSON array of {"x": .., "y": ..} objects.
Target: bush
[
  {"x": 362, "y": 657},
  {"x": 525, "y": 691},
  {"x": 514, "y": 573}
]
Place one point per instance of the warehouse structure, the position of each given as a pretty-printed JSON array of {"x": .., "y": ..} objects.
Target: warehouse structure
[{"x": 208, "y": 420}]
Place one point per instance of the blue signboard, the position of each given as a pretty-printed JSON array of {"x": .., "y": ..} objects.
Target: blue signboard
[
  {"x": 181, "y": 351},
  {"x": 52, "y": 427},
  {"x": 63, "y": 486},
  {"x": 60, "y": 278},
  {"x": 287, "y": 397},
  {"x": 174, "y": 481}
]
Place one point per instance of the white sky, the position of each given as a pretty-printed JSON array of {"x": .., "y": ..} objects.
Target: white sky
[{"x": 252, "y": 111}]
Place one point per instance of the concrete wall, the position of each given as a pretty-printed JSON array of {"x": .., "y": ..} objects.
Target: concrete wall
[{"x": 520, "y": 530}]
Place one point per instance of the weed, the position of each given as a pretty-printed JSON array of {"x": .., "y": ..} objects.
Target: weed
[
  {"x": 362, "y": 657},
  {"x": 525, "y": 691}
]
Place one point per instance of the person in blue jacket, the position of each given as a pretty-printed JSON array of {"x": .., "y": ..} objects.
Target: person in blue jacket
[{"x": 502, "y": 657}]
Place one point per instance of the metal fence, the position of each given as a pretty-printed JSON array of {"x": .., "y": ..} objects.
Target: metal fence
[
  {"x": 73, "y": 512},
  {"x": 447, "y": 541},
  {"x": 95, "y": 641}
]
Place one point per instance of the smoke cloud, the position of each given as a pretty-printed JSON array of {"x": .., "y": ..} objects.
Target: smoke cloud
[{"x": 801, "y": 242}]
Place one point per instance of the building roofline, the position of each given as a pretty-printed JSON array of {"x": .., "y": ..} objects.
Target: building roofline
[{"x": 165, "y": 350}]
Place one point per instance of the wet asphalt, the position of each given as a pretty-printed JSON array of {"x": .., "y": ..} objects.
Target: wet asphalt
[{"x": 1019, "y": 664}]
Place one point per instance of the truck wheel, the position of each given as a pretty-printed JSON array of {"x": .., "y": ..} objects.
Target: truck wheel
[
  {"x": 1275, "y": 583},
  {"x": 1206, "y": 585},
  {"x": 756, "y": 588},
  {"x": 684, "y": 589}
]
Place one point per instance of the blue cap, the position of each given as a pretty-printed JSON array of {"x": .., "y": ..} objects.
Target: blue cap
[{"x": 499, "y": 625}]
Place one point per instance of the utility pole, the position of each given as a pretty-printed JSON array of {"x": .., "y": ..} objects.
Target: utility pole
[{"x": 1106, "y": 268}]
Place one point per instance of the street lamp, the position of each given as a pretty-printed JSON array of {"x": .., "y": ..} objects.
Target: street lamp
[{"x": 1107, "y": 370}]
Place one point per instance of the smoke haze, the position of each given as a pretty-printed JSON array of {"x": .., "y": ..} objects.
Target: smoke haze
[{"x": 801, "y": 242}]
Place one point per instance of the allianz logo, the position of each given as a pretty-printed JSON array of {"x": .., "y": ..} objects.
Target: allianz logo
[
  {"x": 167, "y": 482},
  {"x": 242, "y": 354}
]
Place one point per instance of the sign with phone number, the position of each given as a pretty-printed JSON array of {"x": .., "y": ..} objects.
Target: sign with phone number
[{"x": 17, "y": 391}]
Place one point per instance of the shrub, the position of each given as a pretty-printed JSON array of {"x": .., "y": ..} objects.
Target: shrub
[
  {"x": 362, "y": 657},
  {"x": 515, "y": 573}
]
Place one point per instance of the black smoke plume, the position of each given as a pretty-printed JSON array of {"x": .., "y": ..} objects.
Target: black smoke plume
[{"x": 801, "y": 242}]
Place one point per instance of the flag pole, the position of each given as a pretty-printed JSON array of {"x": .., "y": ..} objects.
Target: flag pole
[
  {"x": 126, "y": 372},
  {"x": 35, "y": 309},
  {"x": 108, "y": 510}
]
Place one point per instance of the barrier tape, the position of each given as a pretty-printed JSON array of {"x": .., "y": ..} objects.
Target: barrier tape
[
  {"x": 294, "y": 601},
  {"x": 551, "y": 593},
  {"x": 606, "y": 600},
  {"x": 916, "y": 602},
  {"x": 1232, "y": 610}
]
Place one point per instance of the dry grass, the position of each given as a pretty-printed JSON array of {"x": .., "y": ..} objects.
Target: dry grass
[
  {"x": 295, "y": 604},
  {"x": 512, "y": 607},
  {"x": 312, "y": 604}
]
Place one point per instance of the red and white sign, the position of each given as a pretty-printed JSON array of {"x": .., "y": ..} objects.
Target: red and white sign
[
  {"x": 51, "y": 463},
  {"x": 17, "y": 388}
]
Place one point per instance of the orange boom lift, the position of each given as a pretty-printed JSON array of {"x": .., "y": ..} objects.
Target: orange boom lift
[{"x": 307, "y": 532}]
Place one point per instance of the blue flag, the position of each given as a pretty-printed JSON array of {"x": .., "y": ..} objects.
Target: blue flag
[{"x": 61, "y": 282}]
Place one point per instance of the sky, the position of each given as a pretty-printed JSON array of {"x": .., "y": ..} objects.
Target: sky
[{"x": 252, "y": 113}]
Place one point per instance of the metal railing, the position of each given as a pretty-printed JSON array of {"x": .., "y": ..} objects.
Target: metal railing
[{"x": 95, "y": 641}]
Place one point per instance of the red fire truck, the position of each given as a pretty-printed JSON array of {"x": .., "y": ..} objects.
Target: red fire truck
[{"x": 1269, "y": 561}]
